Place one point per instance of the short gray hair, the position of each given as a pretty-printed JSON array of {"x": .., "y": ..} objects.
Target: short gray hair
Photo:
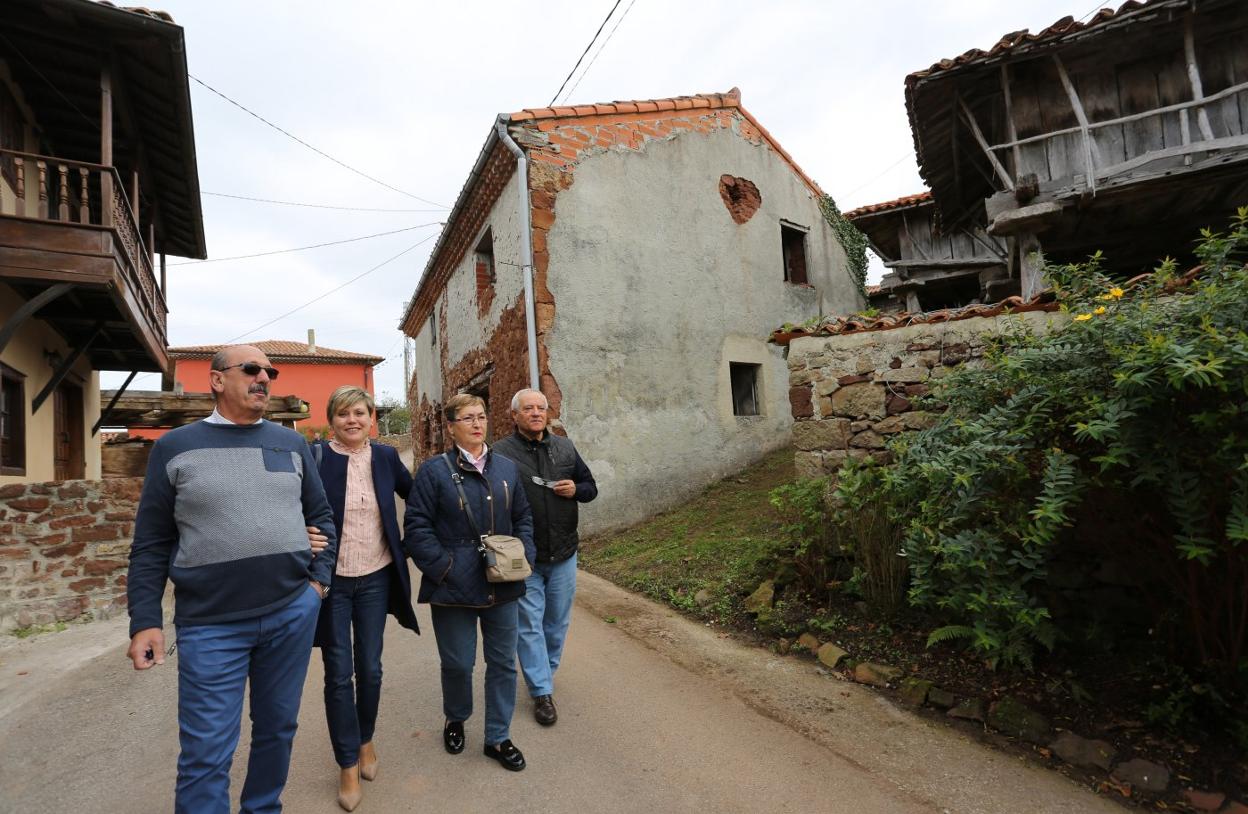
[{"x": 515, "y": 400}]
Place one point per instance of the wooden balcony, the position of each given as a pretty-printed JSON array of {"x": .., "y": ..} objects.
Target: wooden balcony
[{"x": 69, "y": 231}]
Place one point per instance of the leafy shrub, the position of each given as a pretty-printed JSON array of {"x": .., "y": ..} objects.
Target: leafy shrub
[{"x": 1145, "y": 392}]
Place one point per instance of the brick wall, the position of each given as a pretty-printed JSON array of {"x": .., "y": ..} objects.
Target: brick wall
[
  {"x": 64, "y": 549},
  {"x": 850, "y": 393}
]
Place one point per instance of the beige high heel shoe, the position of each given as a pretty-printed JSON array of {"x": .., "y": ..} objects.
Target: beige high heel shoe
[
  {"x": 368, "y": 761},
  {"x": 349, "y": 791}
]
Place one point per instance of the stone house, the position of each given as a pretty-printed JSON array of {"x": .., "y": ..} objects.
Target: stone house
[
  {"x": 97, "y": 180},
  {"x": 628, "y": 258}
]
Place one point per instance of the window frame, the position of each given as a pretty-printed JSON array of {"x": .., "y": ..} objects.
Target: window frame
[
  {"x": 14, "y": 420},
  {"x": 755, "y": 371},
  {"x": 794, "y": 233}
]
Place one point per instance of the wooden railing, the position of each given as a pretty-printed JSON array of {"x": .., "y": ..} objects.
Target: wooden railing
[{"x": 77, "y": 192}]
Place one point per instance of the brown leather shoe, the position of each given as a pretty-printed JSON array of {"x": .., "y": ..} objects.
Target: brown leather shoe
[
  {"x": 349, "y": 791},
  {"x": 544, "y": 710},
  {"x": 368, "y": 761}
]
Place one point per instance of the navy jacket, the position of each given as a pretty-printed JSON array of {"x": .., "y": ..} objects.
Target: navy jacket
[
  {"x": 390, "y": 478},
  {"x": 439, "y": 538}
]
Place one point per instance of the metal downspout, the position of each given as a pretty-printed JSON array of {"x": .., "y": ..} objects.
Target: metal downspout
[{"x": 526, "y": 247}]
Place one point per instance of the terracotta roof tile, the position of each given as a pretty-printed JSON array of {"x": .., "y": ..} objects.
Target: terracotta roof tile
[
  {"x": 1018, "y": 39},
  {"x": 897, "y": 203},
  {"x": 278, "y": 349}
]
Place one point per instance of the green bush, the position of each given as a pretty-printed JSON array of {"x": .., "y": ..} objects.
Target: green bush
[{"x": 1145, "y": 393}]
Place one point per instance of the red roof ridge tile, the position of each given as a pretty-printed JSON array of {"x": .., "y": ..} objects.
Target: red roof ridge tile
[
  {"x": 280, "y": 348},
  {"x": 884, "y": 206}
]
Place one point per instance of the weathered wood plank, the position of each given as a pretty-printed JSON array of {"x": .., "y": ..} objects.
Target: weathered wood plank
[
  {"x": 1032, "y": 158},
  {"x": 1098, "y": 89},
  {"x": 1065, "y": 152},
  {"x": 1137, "y": 93},
  {"x": 1172, "y": 88},
  {"x": 1217, "y": 68}
]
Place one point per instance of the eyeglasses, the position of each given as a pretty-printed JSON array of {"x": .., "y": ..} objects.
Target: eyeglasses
[
  {"x": 471, "y": 419},
  {"x": 252, "y": 369}
]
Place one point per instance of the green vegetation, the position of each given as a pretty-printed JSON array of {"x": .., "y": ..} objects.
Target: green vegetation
[
  {"x": 852, "y": 241},
  {"x": 723, "y": 541},
  {"x": 35, "y": 630}
]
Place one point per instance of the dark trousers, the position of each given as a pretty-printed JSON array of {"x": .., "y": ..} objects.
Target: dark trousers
[
  {"x": 215, "y": 663},
  {"x": 357, "y": 607},
  {"x": 455, "y": 628}
]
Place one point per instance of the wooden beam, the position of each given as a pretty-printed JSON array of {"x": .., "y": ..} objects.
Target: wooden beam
[
  {"x": 1010, "y": 132},
  {"x": 1091, "y": 155},
  {"x": 1193, "y": 76},
  {"x": 1230, "y": 142},
  {"x": 106, "y": 145},
  {"x": 955, "y": 262},
  {"x": 991, "y": 247},
  {"x": 112, "y": 403},
  {"x": 983, "y": 145},
  {"x": 906, "y": 225},
  {"x": 61, "y": 372},
  {"x": 1157, "y": 111},
  {"x": 29, "y": 309}
]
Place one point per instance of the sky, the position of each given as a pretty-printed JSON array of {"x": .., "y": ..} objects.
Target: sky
[{"x": 406, "y": 92}]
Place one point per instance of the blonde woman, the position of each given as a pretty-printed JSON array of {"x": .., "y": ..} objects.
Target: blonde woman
[{"x": 370, "y": 580}]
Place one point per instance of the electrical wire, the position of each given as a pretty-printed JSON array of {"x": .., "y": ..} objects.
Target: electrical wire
[
  {"x": 333, "y": 290},
  {"x": 880, "y": 174},
  {"x": 601, "y": 48},
  {"x": 586, "y": 51},
  {"x": 316, "y": 150},
  {"x": 317, "y": 206},
  {"x": 304, "y": 248},
  {"x": 93, "y": 122}
]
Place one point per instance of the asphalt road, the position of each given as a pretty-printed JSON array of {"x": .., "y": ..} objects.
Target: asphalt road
[{"x": 657, "y": 714}]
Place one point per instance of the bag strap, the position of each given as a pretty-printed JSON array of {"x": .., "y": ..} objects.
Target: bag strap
[
  {"x": 463, "y": 500},
  {"x": 317, "y": 453}
]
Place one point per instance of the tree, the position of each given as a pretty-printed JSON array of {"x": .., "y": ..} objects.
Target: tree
[{"x": 393, "y": 417}]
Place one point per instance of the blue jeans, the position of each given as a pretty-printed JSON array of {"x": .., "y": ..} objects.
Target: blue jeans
[
  {"x": 215, "y": 662},
  {"x": 455, "y": 629},
  {"x": 545, "y": 612},
  {"x": 353, "y": 686}
]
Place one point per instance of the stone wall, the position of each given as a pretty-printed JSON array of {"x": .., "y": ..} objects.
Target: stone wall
[
  {"x": 850, "y": 393},
  {"x": 64, "y": 549}
]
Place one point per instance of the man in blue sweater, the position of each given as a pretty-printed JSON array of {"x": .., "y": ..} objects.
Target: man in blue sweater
[{"x": 224, "y": 511}]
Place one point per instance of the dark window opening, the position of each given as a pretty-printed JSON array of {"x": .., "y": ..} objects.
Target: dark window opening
[
  {"x": 12, "y": 422},
  {"x": 793, "y": 243},
  {"x": 433, "y": 330},
  {"x": 483, "y": 258},
  {"x": 744, "y": 388}
]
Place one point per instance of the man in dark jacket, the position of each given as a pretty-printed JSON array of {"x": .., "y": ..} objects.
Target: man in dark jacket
[{"x": 555, "y": 481}]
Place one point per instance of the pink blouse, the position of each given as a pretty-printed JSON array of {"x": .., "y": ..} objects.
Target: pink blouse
[{"x": 362, "y": 545}]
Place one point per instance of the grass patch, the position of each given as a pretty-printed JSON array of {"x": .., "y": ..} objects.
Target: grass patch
[
  {"x": 35, "y": 630},
  {"x": 723, "y": 541}
]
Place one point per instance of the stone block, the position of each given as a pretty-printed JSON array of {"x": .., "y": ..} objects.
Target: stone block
[
  {"x": 918, "y": 420},
  {"x": 971, "y": 709},
  {"x": 892, "y": 424},
  {"x": 12, "y": 490},
  {"x": 914, "y": 691},
  {"x": 95, "y": 534},
  {"x": 807, "y": 464},
  {"x": 1016, "y": 719},
  {"x": 1079, "y": 751},
  {"x": 846, "y": 380},
  {"x": 894, "y": 404},
  {"x": 29, "y": 504},
  {"x": 831, "y": 433},
  {"x": 867, "y": 440},
  {"x": 859, "y": 400},
  {"x": 941, "y": 698},
  {"x": 762, "y": 597},
  {"x": 1142, "y": 774},
  {"x": 904, "y": 375},
  {"x": 825, "y": 387},
  {"x": 877, "y": 675},
  {"x": 800, "y": 401},
  {"x": 830, "y": 655},
  {"x": 808, "y": 641}
]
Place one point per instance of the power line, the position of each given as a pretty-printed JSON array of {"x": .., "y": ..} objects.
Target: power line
[
  {"x": 879, "y": 175},
  {"x": 320, "y": 152},
  {"x": 602, "y": 48},
  {"x": 586, "y": 51},
  {"x": 333, "y": 290},
  {"x": 93, "y": 122},
  {"x": 304, "y": 248},
  {"x": 316, "y": 206}
]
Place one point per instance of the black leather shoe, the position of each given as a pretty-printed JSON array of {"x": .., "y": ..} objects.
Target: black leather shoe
[
  {"x": 507, "y": 755},
  {"x": 453, "y": 737},
  {"x": 544, "y": 710}
]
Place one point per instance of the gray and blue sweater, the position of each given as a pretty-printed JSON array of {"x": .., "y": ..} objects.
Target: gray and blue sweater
[{"x": 223, "y": 514}]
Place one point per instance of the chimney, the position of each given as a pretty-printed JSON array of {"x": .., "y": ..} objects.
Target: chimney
[{"x": 311, "y": 340}]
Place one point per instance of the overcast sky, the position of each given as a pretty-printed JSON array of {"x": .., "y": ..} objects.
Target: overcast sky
[{"x": 407, "y": 92}]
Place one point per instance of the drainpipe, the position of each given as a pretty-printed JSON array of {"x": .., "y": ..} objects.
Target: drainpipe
[{"x": 526, "y": 246}]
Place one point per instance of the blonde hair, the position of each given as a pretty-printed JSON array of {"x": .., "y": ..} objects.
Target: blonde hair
[
  {"x": 348, "y": 396},
  {"x": 459, "y": 402}
]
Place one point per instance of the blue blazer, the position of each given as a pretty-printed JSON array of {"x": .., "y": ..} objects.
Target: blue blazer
[{"x": 390, "y": 478}]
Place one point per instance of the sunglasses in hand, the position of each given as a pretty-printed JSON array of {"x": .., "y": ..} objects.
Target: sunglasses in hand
[{"x": 253, "y": 369}]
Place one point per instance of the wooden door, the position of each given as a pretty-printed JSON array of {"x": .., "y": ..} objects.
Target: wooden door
[{"x": 70, "y": 461}]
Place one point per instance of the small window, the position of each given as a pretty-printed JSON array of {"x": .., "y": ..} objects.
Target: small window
[
  {"x": 484, "y": 260},
  {"x": 793, "y": 243},
  {"x": 433, "y": 329},
  {"x": 744, "y": 388},
  {"x": 12, "y": 422}
]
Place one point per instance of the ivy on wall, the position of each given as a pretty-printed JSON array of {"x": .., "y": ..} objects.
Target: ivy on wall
[{"x": 852, "y": 241}]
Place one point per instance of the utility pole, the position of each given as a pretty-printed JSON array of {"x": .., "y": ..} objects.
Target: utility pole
[{"x": 407, "y": 368}]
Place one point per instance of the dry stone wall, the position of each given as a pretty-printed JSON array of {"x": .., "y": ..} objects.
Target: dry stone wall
[
  {"x": 850, "y": 393},
  {"x": 64, "y": 549}
]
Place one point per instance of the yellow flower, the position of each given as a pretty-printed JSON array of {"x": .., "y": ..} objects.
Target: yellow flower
[
  {"x": 1100, "y": 309},
  {"x": 1083, "y": 318},
  {"x": 1116, "y": 293}
]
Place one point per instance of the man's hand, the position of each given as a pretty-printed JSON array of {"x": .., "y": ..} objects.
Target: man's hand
[
  {"x": 318, "y": 587},
  {"x": 564, "y": 488},
  {"x": 316, "y": 540},
  {"x": 147, "y": 648}
]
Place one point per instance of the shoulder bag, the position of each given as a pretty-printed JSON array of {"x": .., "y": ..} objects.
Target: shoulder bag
[{"x": 503, "y": 554}]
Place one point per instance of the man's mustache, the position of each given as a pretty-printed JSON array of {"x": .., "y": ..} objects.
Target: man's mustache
[{"x": 259, "y": 388}]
